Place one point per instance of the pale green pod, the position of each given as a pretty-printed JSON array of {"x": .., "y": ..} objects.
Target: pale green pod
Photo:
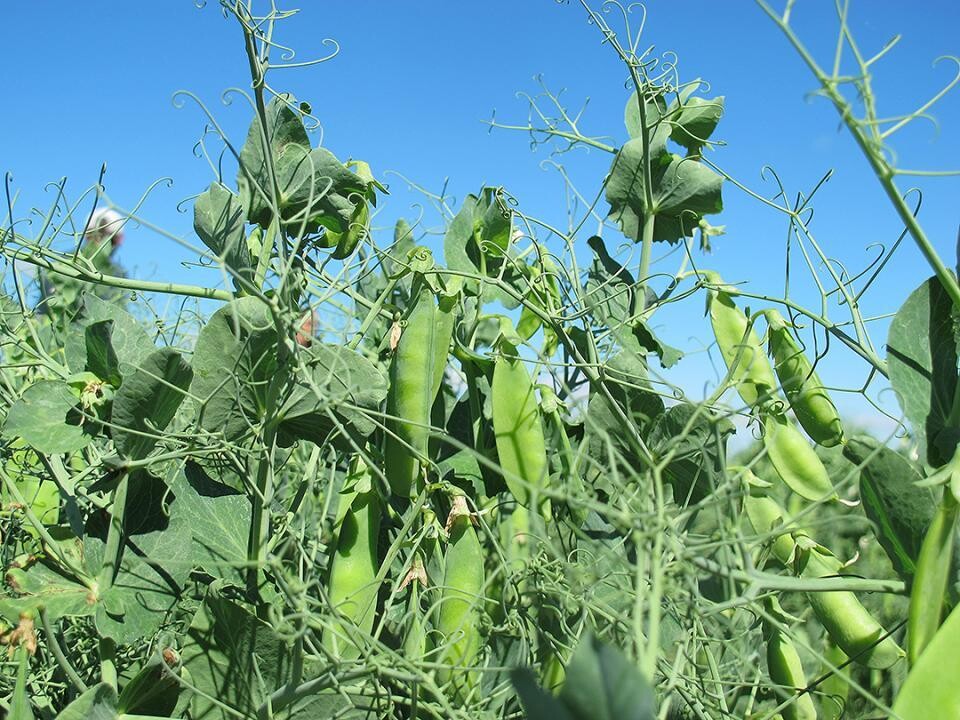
[
  {"x": 795, "y": 461},
  {"x": 808, "y": 398},
  {"x": 750, "y": 370},
  {"x": 352, "y": 585},
  {"x": 786, "y": 670},
  {"x": 460, "y": 604},
  {"x": 521, "y": 447},
  {"x": 849, "y": 624}
]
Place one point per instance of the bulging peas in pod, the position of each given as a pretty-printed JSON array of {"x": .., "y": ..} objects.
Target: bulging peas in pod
[
  {"x": 750, "y": 371},
  {"x": 795, "y": 461},
  {"x": 808, "y": 398}
]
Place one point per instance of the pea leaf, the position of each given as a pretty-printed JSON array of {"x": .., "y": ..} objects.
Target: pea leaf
[
  {"x": 47, "y": 418},
  {"x": 42, "y": 587},
  {"x": 900, "y": 511},
  {"x": 147, "y": 401},
  {"x": 233, "y": 656},
  {"x": 102, "y": 359},
  {"x": 130, "y": 341},
  {"x": 284, "y": 128},
  {"x": 922, "y": 362},
  {"x": 696, "y": 121},
  {"x": 219, "y": 221},
  {"x": 97, "y": 703},
  {"x": 601, "y": 684},
  {"x": 337, "y": 391},
  {"x": 234, "y": 366},
  {"x": 683, "y": 190},
  {"x": 697, "y": 438}
]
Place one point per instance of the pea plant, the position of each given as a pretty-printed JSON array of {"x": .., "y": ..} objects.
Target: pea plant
[{"x": 354, "y": 480}]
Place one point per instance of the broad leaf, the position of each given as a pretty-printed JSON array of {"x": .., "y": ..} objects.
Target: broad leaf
[
  {"x": 601, "y": 684},
  {"x": 147, "y": 402},
  {"x": 102, "y": 359},
  {"x": 234, "y": 365},
  {"x": 219, "y": 221},
  {"x": 97, "y": 703},
  {"x": 335, "y": 394},
  {"x": 900, "y": 511},
  {"x": 46, "y": 416},
  {"x": 284, "y": 128},
  {"x": 922, "y": 362},
  {"x": 41, "y": 587},
  {"x": 695, "y": 122},
  {"x": 131, "y": 343},
  {"x": 683, "y": 191},
  {"x": 696, "y": 439}
]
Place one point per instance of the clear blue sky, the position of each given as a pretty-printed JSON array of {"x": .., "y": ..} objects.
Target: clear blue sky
[{"x": 92, "y": 82}]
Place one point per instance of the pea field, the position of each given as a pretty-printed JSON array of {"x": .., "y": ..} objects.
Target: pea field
[{"x": 388, "y": 471}]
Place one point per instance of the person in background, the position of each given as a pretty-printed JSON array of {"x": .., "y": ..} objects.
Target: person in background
[{"x": 102, "y": 237}]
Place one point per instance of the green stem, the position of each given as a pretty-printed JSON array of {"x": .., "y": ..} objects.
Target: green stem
[
  {"x": 372, "y": 314},
  {"x": 646, "y": 250},
  {"x": 114, "y": 546}
]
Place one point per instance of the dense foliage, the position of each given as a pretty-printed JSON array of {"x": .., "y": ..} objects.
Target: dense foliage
[{"x": 373, "y": 483}]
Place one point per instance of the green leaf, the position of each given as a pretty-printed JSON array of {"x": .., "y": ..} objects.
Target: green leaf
[
  {"x": 697, "y": 438},
  {"x": 41, "y": 587},
  {"x": 234, "y": 657},
  {"x": 97, "y": 703},
  {"x": 336, "y": 393},
  {"x": 538, "y": 704},
  {"x": 900, "y": 511},
  {"x": 102, "y": 359},
  {"x": 234, "y": 366},
  {"x": 284, "y": 129},
  {"x": 219, "y": 521},
  {"x": 130, "y": 341},
  {"x": 155, "y": 563},
  {"x": 922, "y": 362},
  {"x": 147, "y": 401},
  {"x": 153, "y": 690},
  {"x": 47, "y": 418},
  {"x": 601, "y": 684},
  {"x": 683, "y": 191},
  {"x": 219, "y": 221},
  {"x": 695, "y": 122}
]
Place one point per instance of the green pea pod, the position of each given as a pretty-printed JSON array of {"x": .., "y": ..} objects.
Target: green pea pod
[
  {"x": 794, "y": 460},
  {"x": 521, "y": 447},
  {"x": 750, "y": 371},
  {"x": 786, "y": 670},
  {"x": 808, "y": 398},
  {"x": 415, "y": 376},
  {"x": 848, "y": 623},
  {"x": 460, "y": 603},
  {"x": 835, "y": 689},
  {"x": 347, "y": 241},
  {"x": 931, "y": 689},
  {"x": 352, "y": 585},
  {"x": 929, "y": 592},
  {"x": 767, "y": 517}
]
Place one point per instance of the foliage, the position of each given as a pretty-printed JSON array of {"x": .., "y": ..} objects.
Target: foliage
[{"x": 370, "y": 481}]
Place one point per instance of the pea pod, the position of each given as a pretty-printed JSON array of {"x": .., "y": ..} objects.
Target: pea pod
[
  {"x": 808, "y": 398},
  {"x": 834, "y": 689},
  {"x": 352, "y": 584},
  {"x": 460, "y": 603},
  {"x": 848, "y": 623},
  {"x": 521, "y": 447},
  {"x": 785, "y": 668},
  {"x": 928, "y": 595},
  {"x": 750, "y": 371},
  {"x": 794, "y": 460},
  {"x": 415, "y": 376},
  {"x": 931, "y": 689}
]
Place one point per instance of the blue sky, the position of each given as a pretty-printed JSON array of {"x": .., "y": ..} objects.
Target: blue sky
[{"x": 91, "y": 83}]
